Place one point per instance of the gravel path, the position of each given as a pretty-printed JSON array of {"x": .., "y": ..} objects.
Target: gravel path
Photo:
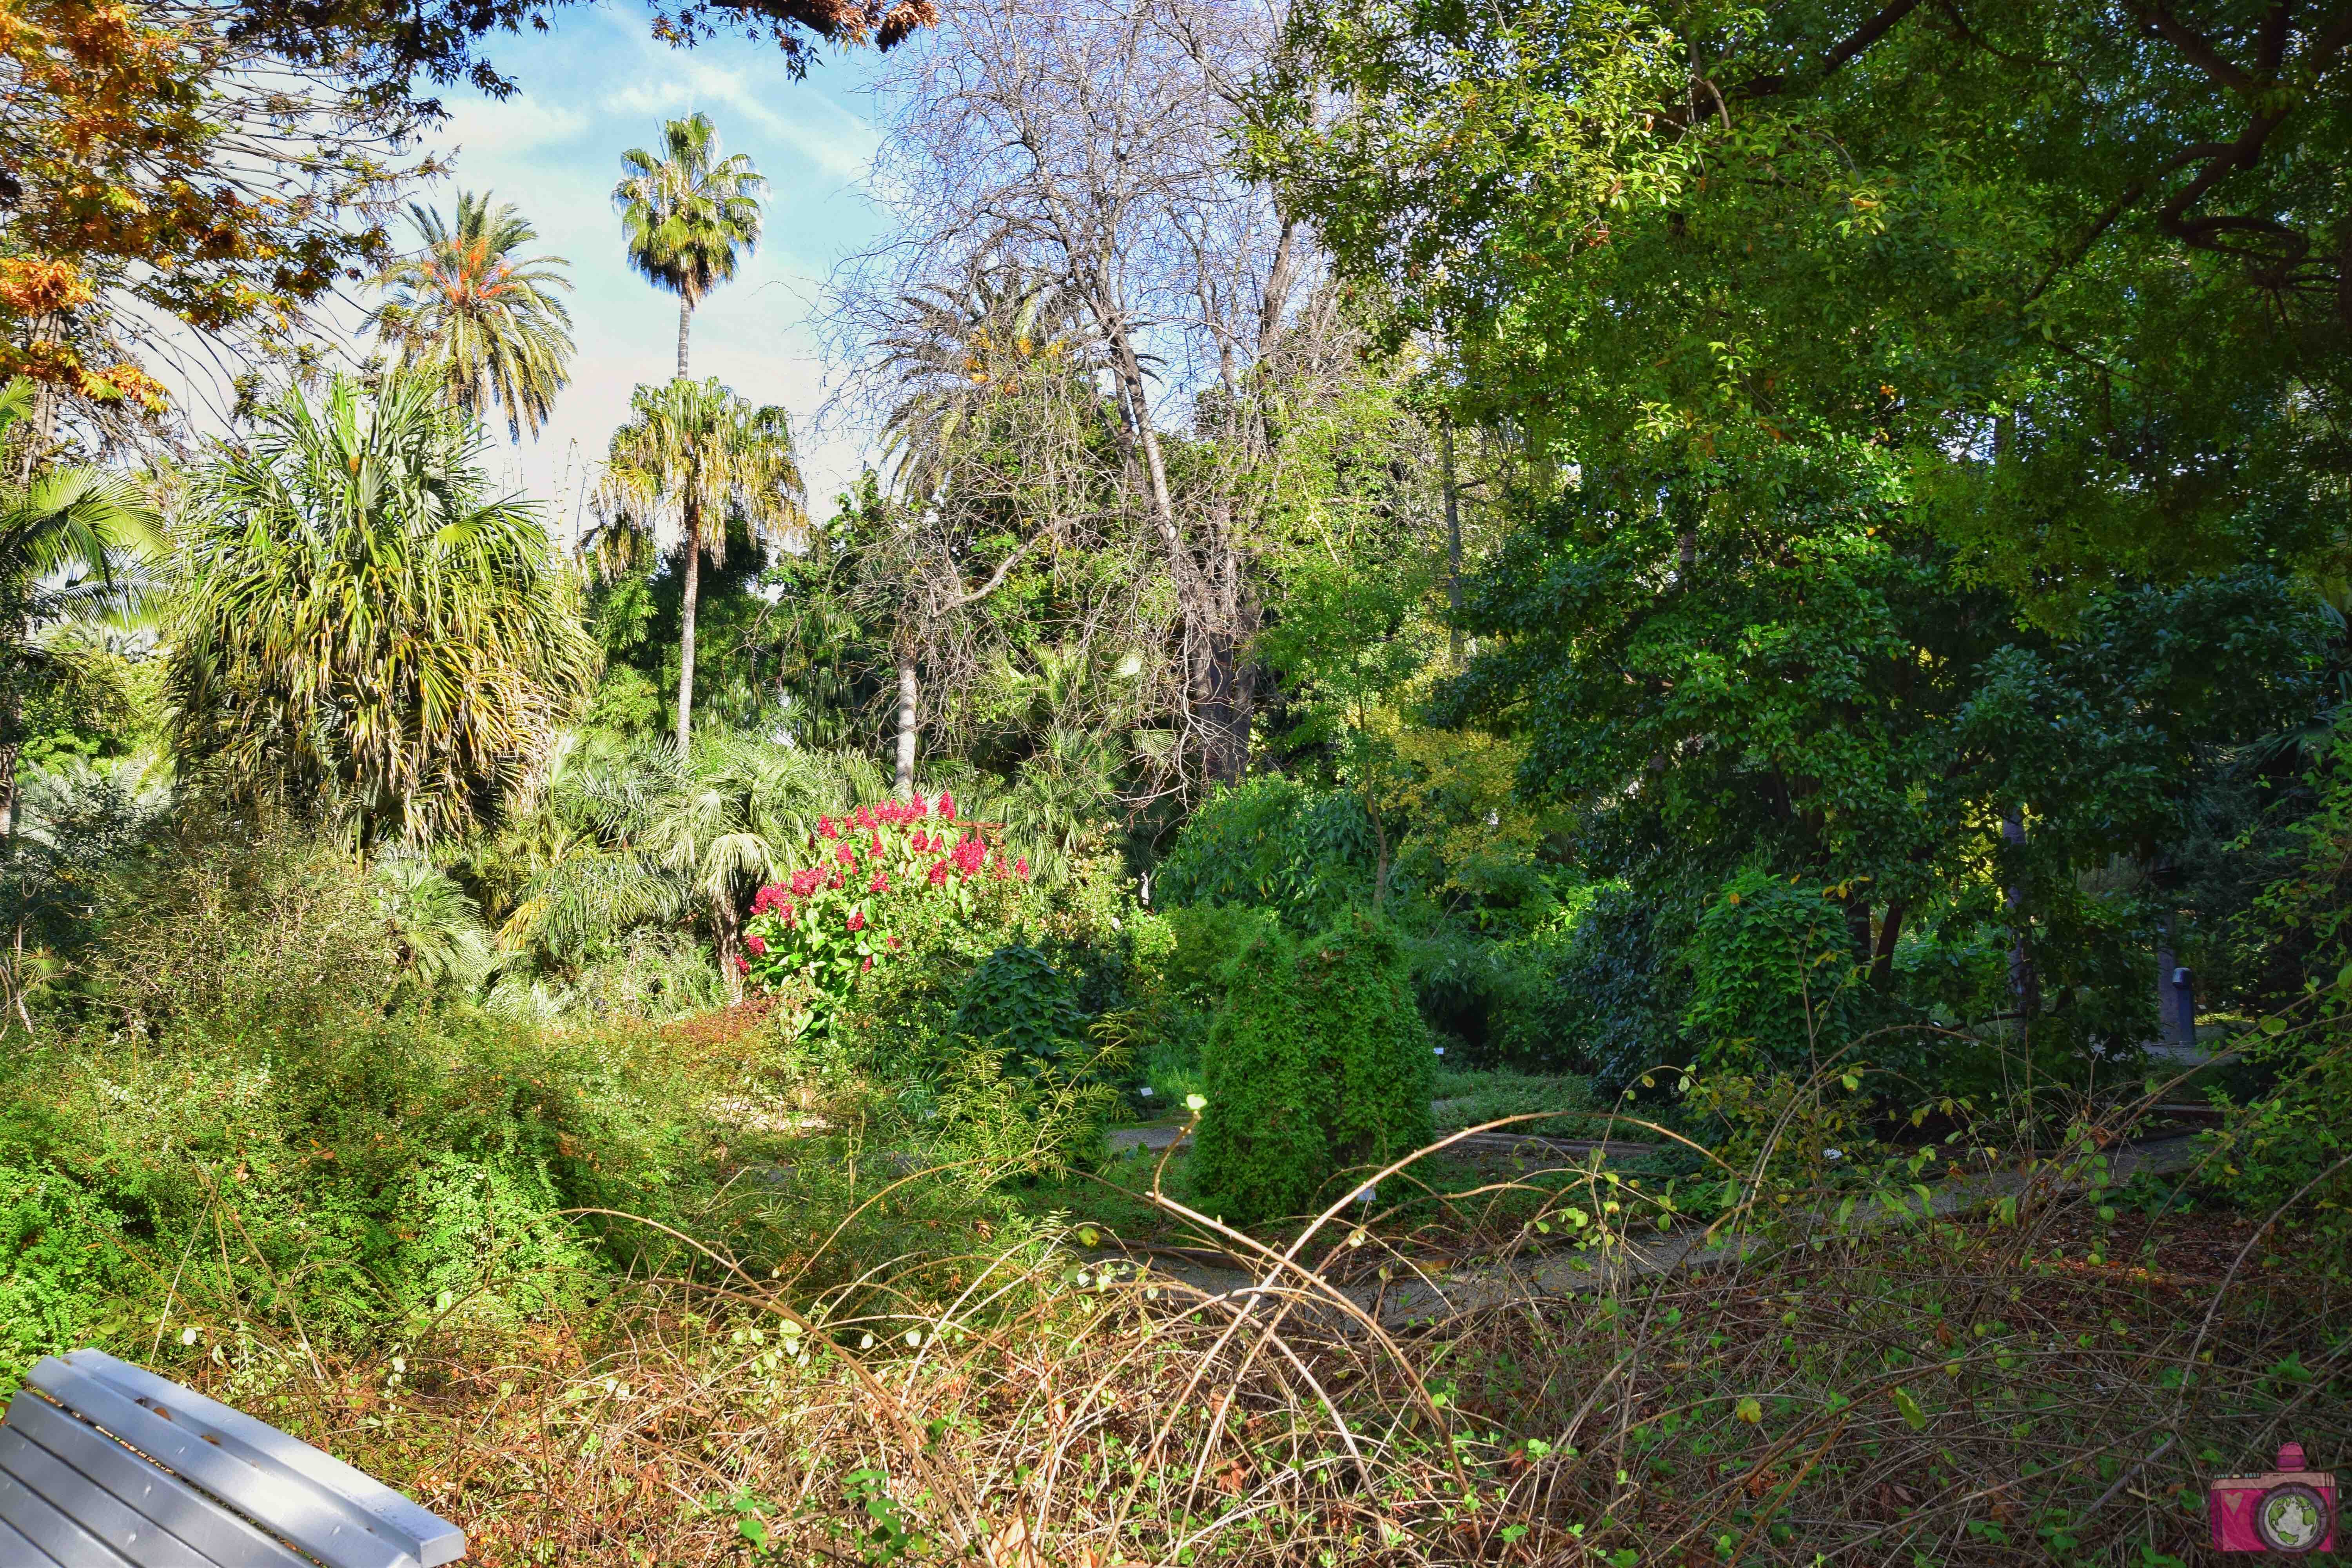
[{"x": 1429, "y": 1296}]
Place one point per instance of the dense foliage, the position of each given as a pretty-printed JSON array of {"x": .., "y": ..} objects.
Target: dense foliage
[
  {"x": 364, "y": 625},
  {"x": 1316, "y": 1065}
]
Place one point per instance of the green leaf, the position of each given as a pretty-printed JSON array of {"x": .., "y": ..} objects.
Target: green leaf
[{"x": 1913, "y": 1415}]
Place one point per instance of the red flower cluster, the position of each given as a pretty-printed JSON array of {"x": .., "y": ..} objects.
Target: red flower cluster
[
  {"x": 891, "y": 812},
  {"x": 743, "y": 966},
  {"x": 872, "y": 870},
  {"x": 969, "y": 855}
]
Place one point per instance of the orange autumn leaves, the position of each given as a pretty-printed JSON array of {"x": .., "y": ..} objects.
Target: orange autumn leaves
[{"x": 121, "y": 170}]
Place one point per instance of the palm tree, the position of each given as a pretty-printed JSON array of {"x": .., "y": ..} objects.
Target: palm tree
[
  {"x": 360, "y": 624},
  {"x": 484, "y": 319},
  {"x": 615, "y": 838},
  {"x": 694, "y": 457},
  {"x": 72, "y": 543},
  {"x": 433, "y": 925},
  {"x": 953, "y": 352},
  {"x": 688, "y": 214}
]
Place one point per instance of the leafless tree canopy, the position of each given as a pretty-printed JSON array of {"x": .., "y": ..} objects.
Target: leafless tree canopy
[{"x": 1086, "y": 150}]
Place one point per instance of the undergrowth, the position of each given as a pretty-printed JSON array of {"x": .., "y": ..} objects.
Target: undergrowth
[{"x": 2053, "y": 1373}]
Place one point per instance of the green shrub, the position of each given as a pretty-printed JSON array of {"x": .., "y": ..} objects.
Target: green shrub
[
  {"x": 481, "y": 1240},
  {"x": 1017, "y": 1003},
  {"x": 1605, "y": 998},
  {"x": 1275, "y": 844},
  {"x": 1317, "y": 1063},
  {"x": 1475, "y": 994},
  {"x": 1773, "y": 979},
  {"x": 249, "y": 1078},
  {"x": 64, "y": 1268}
]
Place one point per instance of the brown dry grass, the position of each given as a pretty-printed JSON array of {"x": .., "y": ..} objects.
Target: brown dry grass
[{"x": 2058, "y": 1387}]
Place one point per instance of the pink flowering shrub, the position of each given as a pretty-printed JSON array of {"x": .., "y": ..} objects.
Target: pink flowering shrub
[{"x": 883, "y": 885}]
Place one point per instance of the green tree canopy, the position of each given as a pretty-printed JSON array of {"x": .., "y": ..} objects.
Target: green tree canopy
[{"x": 2084, "y": 264}]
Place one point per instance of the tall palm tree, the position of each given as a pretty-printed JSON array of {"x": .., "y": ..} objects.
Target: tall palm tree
[
  {"x": 361, "y": 624},
  {"x": 484, "y": 319},
  {"x": 688, "y": 214},
  {"x": 73, "y": 543},
  {"x": 693, "y": 458}
]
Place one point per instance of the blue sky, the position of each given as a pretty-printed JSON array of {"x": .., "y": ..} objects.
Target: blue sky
[{"x": 599, "y": 84}]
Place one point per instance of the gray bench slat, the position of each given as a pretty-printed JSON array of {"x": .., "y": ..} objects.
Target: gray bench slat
[
  {"x": 329, "y": 1527},
  {"x": 15, "y": 1549},
  {"x": 168, "y": 1501},
  {"x": 37, "y": 1520},
  {"x": 431, "y": 1540},
  {"x": 131, "y": 1535}
]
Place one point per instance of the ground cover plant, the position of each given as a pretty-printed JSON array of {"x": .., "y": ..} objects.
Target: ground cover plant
[{"x": 2053, "y": 1377}]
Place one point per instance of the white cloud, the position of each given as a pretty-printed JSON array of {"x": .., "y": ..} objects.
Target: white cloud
[
  {"x": 480, "y": 127},
  {"x": 828, "y": 136}
]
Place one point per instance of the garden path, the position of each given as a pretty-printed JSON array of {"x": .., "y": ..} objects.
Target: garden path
[{"x": 1426, "y": 1296}]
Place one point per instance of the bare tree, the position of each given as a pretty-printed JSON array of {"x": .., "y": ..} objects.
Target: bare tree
[{"x": 1088, "y": 143}]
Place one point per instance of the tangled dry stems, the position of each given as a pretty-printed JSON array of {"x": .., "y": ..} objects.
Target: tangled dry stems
[{"x": 2056, "y": 1385}]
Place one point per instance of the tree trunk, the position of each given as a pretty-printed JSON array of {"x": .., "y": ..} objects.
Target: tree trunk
[
  {"x": 47, "y": 328},
  {"x": 2025, "y": 990},
  {"x": 1453, "y": 544},
  {"x": 1890, "y": 932},
  {"x": 684, "y": 316},
  {"x": 7, "y": 793},
  {"x": 1147, "y": 440},
  {"x": 1227, "y": 711},
  {"x": 907, "y": 726},
  {"x": 686, "y": 631},
  {"x": 728, "y": 930}
]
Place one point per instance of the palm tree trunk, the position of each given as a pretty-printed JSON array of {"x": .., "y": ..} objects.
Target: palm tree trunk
[
  {"x": 47, "y": 328},
  {"x": 684, "y": 316},
  {"x": 686, "y": 632},
  {"x": 728, "y": 930},
  {"x": 907, "y": 725}
]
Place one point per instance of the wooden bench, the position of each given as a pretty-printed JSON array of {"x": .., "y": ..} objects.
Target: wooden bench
[{"x": 105, "y": 1465}]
